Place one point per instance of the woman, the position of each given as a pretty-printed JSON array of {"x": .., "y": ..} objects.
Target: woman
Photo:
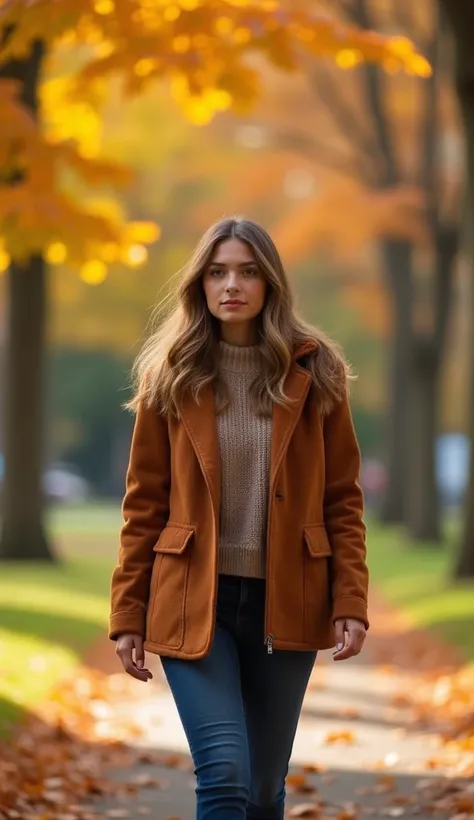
[{"x": 243, "y": 548}]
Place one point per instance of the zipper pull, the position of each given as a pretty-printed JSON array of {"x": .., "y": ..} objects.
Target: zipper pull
[{"x": 269, "y": 643}]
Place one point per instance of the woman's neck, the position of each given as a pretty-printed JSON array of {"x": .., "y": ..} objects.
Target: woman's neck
[{"x": 240, "y": 335}]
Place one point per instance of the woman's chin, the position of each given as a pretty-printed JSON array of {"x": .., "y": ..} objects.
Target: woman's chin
[{"x": 234, "y": 318}]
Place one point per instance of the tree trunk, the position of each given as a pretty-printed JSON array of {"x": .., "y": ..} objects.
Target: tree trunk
[
  {"x": 23, "y": 535},
  {"x": 461, "y": 16},
  {"x": 422, "y": 501},
  {"x": 398, "y": 255},
  {"x": 464, "y": 567},
  {"x": 23, "y": 531}
]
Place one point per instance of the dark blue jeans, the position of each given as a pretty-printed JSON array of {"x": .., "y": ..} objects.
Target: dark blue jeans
[{"x": 240, "y": 708}]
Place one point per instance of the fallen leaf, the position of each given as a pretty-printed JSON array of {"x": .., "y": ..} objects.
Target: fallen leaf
[
  {"x": 384, "y": 784},
  {"x": 299, "y": 783},
  {"x": 313, "y": 768},
  {"x": 465, "y": 803},
  {"x": 340, "y": 737},
  {"x": 172, "y": 761},
  {"x": 146, "y": 781},
  {"x": 305, "y": 810}
]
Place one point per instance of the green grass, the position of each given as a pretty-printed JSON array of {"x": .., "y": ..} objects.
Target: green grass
[
  {"x": 50, "y": 613},
  {"x": 418, "y": 579}
]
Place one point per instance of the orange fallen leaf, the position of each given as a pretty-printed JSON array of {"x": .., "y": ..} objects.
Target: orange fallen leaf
[
  {"x": 299, "y": 783},
  {"x": 340, "y": 737},
  {"x": 390, "y": 759},
  {"x": 401, "y": 700},
  {"x": 465, "y": 803},
  {"x": 313, "y": 768},
  {"x": 385, "y": 783}
]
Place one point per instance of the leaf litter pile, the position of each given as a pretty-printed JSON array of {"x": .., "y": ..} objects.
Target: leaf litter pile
[{"x": 57, "y": 764}]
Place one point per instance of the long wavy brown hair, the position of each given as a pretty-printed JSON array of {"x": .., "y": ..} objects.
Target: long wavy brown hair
[{"x": 181, "y": 354}]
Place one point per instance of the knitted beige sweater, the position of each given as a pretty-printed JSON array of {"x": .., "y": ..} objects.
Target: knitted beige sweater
[{"x": 244, "y": 442}]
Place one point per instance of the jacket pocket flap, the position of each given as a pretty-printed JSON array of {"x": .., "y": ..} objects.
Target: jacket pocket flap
[
  {"x": 317, "y": 540},
  {"x": 174, "y": 538}
]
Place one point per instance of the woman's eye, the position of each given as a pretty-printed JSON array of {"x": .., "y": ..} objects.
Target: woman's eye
[
  {"x": 215, "y": 272},
  {"x": 251, "y": 271}
]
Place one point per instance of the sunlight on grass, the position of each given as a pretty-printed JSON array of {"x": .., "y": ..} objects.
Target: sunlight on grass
[
  {"x": 93, "y": 518},
  {"x": 49, "y": 613},
  {"x": 29, "y": 668},
  {"x": 418, "y": 579}
]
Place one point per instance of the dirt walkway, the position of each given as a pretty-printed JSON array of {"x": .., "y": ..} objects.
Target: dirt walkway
[{"x": 360, "y": 748}]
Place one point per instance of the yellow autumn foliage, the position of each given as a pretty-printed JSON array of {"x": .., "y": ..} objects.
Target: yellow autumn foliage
[{"x": 201, "y": 46}]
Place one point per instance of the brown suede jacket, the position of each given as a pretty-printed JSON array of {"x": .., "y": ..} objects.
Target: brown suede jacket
[{"x": 165, "y": 584}]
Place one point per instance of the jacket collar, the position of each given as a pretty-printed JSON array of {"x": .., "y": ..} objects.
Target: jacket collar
[{"x": 303, "y": 348}]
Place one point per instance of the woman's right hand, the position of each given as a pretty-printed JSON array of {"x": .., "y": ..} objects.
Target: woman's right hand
[{"x": 125, "y": 644}]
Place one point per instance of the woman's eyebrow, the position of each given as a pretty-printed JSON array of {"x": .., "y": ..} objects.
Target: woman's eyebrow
[{"x": 240, "y": 264}]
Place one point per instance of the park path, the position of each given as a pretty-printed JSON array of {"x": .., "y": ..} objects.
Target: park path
[{"x": 361, "y": 747}]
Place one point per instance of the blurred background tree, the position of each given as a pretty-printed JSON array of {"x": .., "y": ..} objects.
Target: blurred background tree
[{"x": 461, "y": 16}]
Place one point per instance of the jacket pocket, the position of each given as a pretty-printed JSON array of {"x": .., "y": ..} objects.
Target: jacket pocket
[
  {"x": 168, "y": 587},
  {"x": 317, "y": 581}
]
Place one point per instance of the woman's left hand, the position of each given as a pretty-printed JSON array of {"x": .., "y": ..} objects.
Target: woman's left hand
[{"x": 350, "y": 637}]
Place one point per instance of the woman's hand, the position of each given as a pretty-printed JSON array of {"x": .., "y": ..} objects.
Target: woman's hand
[
  {"x": 125, "y": 643},
  {"x": 350, "y": 637}
]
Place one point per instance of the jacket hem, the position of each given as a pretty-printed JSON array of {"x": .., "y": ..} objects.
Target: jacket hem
[
  {"x": 314, "y": 646},
  {"x": 167, "y": 652}
]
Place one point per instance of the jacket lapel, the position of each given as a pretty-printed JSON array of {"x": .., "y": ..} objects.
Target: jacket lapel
[
  {"x": 297, "y": 384},
  {"x": 200, "y": 423},
  {"x": 285, "y": 419}
]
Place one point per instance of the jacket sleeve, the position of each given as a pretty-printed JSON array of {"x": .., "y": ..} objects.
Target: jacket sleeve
[
  {"x": 145, "y": 510},
  {"x": 343, "y": 513}
]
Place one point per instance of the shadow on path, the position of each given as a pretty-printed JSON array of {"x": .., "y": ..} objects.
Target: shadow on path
[{"x": 170, "y": 793}]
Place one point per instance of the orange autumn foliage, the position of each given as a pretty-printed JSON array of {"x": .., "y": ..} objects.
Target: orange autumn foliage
[{"x": 205, "y": 48}]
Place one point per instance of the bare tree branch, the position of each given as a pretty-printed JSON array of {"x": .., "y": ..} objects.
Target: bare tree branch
[
  {"x": 344, "y": 115},
  {"x": 444, "y": 233},
  {"x": 390, "y": 173},
  {"x": 313, "y": 149}
]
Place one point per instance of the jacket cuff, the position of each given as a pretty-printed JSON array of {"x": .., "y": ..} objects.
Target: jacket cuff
[
  {"x": 120, "y": 622},
  {"x": 350, "y": 608}
]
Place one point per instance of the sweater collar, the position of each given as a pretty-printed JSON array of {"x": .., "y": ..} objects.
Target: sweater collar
[{"x": 237, "y": 359}]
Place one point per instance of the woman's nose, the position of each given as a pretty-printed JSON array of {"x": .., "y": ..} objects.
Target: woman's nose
[{"x": 232, "y": 282}]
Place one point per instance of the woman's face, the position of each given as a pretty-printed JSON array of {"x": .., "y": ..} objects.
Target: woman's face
[{"x": 234, "y": 287}]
